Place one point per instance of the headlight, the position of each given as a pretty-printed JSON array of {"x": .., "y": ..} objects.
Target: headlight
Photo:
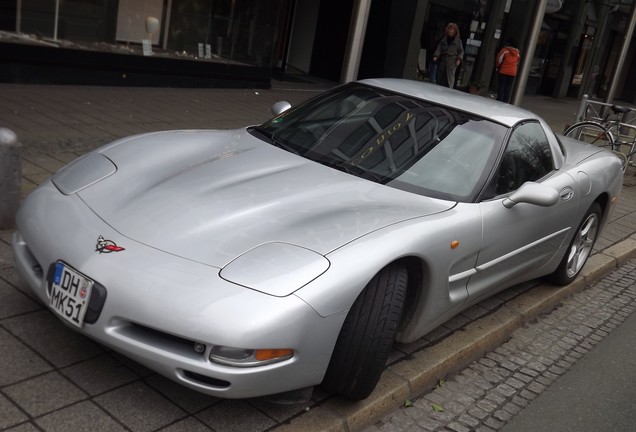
[
  {"x": 83, "y": 172},
  {"x": 275, "y": 268}
]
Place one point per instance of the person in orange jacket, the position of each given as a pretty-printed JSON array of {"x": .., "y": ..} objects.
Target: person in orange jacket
[{"x": 506, "y": 67}]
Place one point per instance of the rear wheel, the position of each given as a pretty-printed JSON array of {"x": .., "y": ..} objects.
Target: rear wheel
[
  {"x": 367, "y": 335},
  {"x": 580, "y": 248}
]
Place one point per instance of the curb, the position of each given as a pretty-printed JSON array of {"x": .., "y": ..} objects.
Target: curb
[{"x": 418, "y": 374}]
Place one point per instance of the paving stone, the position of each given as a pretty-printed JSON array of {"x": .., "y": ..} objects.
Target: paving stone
[
  {"x": 282, "y": 413},
  {"x": 84, "y": 416},
  {"x": 457, "y": 427},
  {"x": 45, "y": 393},
  {"x": 99, "y": 375},
  {"x": 428, "y": 424},
  {"x": 512, "y": 408},
  {"x": 544, "y": 380},
  {"x": 502, "y": 415},
  {"x": 187, "y": 425},
  {"x": 24, "y": 427},
  {"x": 10, "y": 414},
  {"x": 494, "y": 423},
  {"x": 478, "y": 413},
  {"x": 523, "y": 378},
  {"x": 14, "y": 302},
  {"x": 51, "y": 339},
  {"x": 487, "y": 405},
  {"x": 235, "y": 416},
  {"x": 469, "y": 420},
  {"x": 188, "y": 400},
  {"x": 519, "y": 401},
  {"x": 139, "y": 407},
  {"x": 18, "y": 362}
]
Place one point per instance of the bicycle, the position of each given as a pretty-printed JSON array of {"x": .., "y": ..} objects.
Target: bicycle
[{"x": 618, "y": 136}]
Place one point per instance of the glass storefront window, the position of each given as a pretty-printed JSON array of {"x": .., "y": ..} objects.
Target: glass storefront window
[{"x": 239, "y": 32}]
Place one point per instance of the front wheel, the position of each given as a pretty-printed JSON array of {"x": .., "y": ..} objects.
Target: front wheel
[
  {"x": 580, "y": 248},
  {"x": 367, "y": 335}
]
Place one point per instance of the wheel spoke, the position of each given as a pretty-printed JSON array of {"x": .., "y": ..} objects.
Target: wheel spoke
[
  {"x": 589, "y": 226},
  {"x": 587, "y": 243},
  {"x": 573, "y": 261}
]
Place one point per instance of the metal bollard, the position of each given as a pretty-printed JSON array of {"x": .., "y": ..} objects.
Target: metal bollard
[
  {"x": 580, "y": 115},
  {"x": 10, "y": 175}
]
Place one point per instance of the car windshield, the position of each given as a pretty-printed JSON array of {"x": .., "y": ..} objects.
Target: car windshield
[{"x": 392, "y": 139}]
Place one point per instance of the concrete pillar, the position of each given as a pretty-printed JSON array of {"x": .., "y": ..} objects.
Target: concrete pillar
[
  {"x": 627, "y": 38},
  {"x": 10, "y": 174},
  {"x": 357, "y": 29},
  {"x": 486, "y": 59},
  {"x": 417, "y": 11},
  {"x": 574, "y": 38},
  {"x": 598, "y": 45},
  {"x": 526, "y": 59}
]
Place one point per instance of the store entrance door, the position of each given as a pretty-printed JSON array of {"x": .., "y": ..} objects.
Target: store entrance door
[{"x": 433, "y": 30}]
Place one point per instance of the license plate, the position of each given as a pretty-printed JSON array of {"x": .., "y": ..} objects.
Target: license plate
[{"x": 70, "y": 292}]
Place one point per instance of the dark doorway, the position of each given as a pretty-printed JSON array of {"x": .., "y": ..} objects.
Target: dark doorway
[
  {"x": 433, "y": 29},
  {"x": 554, "y": 47},
  {"x": 332, "y": 32}
]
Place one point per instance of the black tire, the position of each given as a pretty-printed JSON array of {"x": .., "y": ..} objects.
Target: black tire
[
  {"x": 367, "y": 335},
  {"x": 580, "y": 247}
]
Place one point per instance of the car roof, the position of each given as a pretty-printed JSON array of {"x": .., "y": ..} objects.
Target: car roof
[{"x": 486, "y": 107}]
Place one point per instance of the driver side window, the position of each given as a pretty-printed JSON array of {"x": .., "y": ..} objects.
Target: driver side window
[{"x": 527, "y": 158}]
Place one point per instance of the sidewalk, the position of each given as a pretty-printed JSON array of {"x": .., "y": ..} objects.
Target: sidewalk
[{"x": 54, "y": 379}]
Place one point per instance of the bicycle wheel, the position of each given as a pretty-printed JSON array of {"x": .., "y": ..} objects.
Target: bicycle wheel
[{"x": 592, "y": 133}]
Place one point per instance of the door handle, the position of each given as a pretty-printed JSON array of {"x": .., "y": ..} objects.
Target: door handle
[{"x": 567, "y": 193}]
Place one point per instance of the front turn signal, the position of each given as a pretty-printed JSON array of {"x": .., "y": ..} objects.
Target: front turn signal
[{"x": 271, "y": 354}]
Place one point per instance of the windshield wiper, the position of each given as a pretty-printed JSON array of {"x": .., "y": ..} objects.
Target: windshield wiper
[{"x": 270, "y": 138}]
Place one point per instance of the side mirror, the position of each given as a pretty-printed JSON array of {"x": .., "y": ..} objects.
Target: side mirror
[
  {"x": 280, "y": 107},
  {"x": 532, "y": 193}
]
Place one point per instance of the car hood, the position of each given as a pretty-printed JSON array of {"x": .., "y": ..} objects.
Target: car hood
[{"x": 209, "y": 196}]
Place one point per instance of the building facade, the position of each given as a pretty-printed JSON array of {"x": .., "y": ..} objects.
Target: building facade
[
  {"x": 138, "y": 42},
  {"x": 575, "y": 49}
]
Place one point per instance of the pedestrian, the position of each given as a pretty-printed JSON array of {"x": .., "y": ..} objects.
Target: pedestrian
[
  {"x": 506, "y": 67},
  {"x": 449, "y": 55}
]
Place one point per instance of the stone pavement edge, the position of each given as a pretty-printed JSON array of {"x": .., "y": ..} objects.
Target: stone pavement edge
[{"x": 95, "y": 387}]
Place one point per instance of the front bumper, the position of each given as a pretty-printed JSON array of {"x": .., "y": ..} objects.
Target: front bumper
[{"x": 158, "y": 306}]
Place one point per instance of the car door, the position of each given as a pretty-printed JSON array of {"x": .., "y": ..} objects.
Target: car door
[{"x": 518, "y": 241}]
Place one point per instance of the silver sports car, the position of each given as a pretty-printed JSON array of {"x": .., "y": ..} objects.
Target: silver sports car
[{"x": 278, "y": 257}]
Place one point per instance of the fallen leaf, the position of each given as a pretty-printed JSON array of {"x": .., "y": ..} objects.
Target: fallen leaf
[{"x": 437, "y": 408}]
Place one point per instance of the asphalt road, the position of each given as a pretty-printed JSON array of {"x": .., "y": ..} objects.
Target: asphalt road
[{"x": 597, "y": 394}]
